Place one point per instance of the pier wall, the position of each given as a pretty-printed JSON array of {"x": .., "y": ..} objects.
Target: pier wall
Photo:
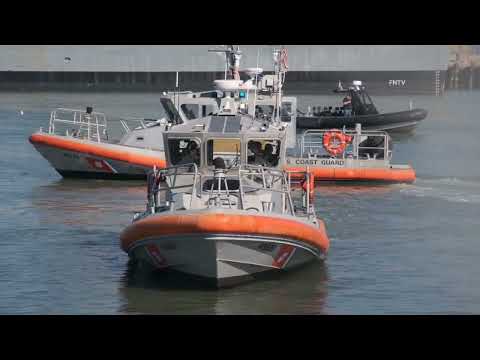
[{"x": 383, "y": 68}]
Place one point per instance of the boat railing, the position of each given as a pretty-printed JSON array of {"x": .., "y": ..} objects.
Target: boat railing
[
  {"x": 259, "y": 178},
  {"x": 78, "y": 123},
  {"x": 226, "y": 188},
  {"x": 312, "y": 145},
  {"x": 301, "y": 177},
  {"x": 278, "y": 181},
  {"x": 136, "y": 123},
  {"x": 162, "y": 185},
  {"x": 93, "y": 126}
]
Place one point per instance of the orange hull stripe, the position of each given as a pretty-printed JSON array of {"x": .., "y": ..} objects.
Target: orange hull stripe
[
  {"x": 372, "y": 174},
  {"x": 96, "y": 150},
  {"x": 224, "y": 224}
]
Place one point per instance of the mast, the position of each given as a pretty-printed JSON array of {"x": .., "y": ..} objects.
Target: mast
[
  {"x": 256, "y": 86},
  {"x": 280, "y": 66}
]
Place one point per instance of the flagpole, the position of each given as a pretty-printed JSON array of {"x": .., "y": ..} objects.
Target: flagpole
[{"x": 256, "y": 86}]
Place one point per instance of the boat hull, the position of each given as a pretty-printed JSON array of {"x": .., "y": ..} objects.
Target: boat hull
[
  {"x": 224, "y": 249},
  {"x": 72, "y": 157},
  {"x": 403, "y": 121},
  {"x": 87, "y": 159},
  {"x": 221, "y": 260},
  {"x": 354, "y": 173}
]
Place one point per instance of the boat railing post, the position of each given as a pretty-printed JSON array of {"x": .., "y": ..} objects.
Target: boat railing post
[
  {"x": 240, "y": 187},
  {"x": 358, "y": 131},
  {"x": 285, "y": 197},
  {"x": 98, "y": 128},
  {"x": 287, "y": 178},
  {"x": 263, "y": 178},
  {"x": 227, "y": 191},
  {"x": 307, "y": 179},
  {"x": 194, "y": 187},
  {"x": 88, "y": 128},
  {"x": 51, "y": 122},
  {"x": 386, "y": 153}
]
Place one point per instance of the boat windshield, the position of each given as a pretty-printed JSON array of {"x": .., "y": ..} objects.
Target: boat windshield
[
  {"x": 170, "y": 111},
  {"x": 264, "y": 112},
  {"x": 367, "y": 101},
  {"x": 223, "y": 153},
  {"x": 184, "y": 151},
  {"x": 286, "y": 111},
  {"x": 263, "y": 152},
  {"x": 190, "y": 111}
]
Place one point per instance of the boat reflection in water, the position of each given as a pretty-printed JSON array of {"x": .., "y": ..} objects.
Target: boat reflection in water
[{"x": 301, "y": 292}]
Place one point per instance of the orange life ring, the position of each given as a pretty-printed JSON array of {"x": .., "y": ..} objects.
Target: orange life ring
[{"x": 342, "y": 141}]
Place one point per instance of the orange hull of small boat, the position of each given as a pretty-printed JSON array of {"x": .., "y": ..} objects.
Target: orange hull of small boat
[
  {"x": 133, "y": 157},
  {"x": 90, "y": 148},
  {"x": 358, "y": 174},
  {"x": 221, "y": 223}
]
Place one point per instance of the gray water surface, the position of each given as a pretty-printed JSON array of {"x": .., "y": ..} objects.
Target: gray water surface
[{"x": 395, "y": 249}]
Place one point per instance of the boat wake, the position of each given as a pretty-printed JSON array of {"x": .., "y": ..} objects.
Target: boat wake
[
  {"x": 451, "y": 189},
  {"x": 470, "y": 182}
]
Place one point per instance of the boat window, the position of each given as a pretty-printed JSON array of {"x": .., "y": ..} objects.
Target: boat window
[
  {"x": 286, "y": 112},
  {"x": 207, "y": 110},
  {"x": 170, "y": 111},
  {"x": 184, "y": 151},
  {"x": 223, "y": 153},
  {"x": 190, "y": 111},
  {"x": 210, "y": 94},
  {"x": 264, "y": 111},
  {"x": 232, "y": 184},
  {"x": 263, "y": 152}
]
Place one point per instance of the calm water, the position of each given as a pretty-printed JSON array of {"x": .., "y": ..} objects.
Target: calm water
[{"x": 395, "y": 249}]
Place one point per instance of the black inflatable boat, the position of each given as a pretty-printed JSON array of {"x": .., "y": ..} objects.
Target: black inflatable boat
[{"x": 363, "y": 112}]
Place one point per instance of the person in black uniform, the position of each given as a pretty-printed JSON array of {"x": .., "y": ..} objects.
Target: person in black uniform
[{"x": 347, "y": 105}]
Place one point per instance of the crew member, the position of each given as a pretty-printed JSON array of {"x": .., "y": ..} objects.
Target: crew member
[
  {"x": 256, "y": 156},
  {"x": 270, "y": 158},
  {"x": 192, "y": 154},
  {"x": 347, "y": 105}
]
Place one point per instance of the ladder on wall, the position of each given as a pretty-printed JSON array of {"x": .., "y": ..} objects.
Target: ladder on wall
[{"x": 438, "y": 85}]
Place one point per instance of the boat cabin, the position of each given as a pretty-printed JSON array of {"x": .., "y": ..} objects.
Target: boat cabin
[
  {"x": 185, "y": 107},
  {"x": 228, "y": 161},
  {"x": 225, "y": 141}
]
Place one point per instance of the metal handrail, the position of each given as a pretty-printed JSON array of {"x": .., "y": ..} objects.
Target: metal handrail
[
  {"x": 280, "y": 177},
  {"x": 317, "y": 145},
  {"x": 93, "y": 126},
  {"x": 154, "y": 190},
  {"x": 82, "y": 120}
]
